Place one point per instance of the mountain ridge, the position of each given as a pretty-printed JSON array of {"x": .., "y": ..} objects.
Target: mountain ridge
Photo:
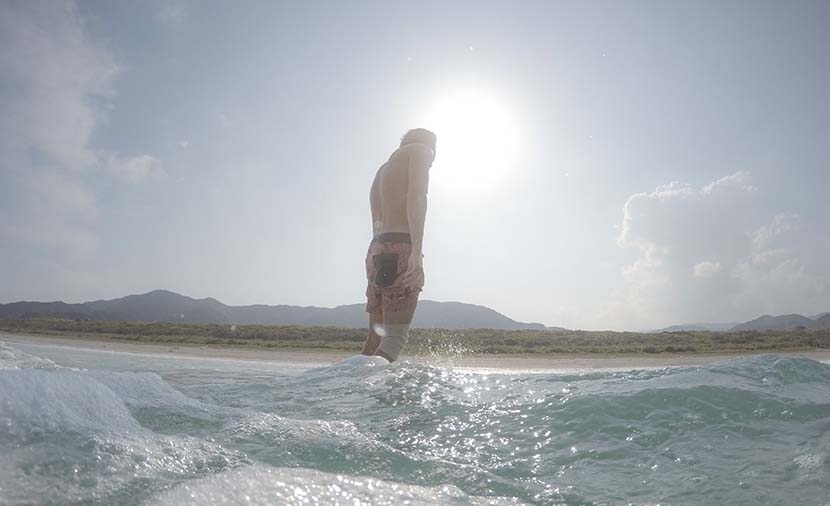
[
  {"x": 698, "y": 327},
  {"x": 792, "y": 321},
  {"x": 167, "y": 306}
]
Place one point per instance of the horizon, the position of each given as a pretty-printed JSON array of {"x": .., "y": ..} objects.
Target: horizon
[
  {"x": 619, "y": 166},
  {"x": 496, "y": 310}
]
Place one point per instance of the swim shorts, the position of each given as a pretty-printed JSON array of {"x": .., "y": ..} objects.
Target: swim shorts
[{"x": 386, "y": 263}]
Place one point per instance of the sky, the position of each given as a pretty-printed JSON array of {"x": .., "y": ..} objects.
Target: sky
[{"x": 600, "y": 165}]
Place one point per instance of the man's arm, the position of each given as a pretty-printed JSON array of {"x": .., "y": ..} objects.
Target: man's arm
[
  {"x": 420, "y": 160},
  {"x": 374, "y": 203}
]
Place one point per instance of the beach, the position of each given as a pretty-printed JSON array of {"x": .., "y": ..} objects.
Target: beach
[{"x": 484, "y": 362}]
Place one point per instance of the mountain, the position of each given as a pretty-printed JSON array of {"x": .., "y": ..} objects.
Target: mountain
[
  {"x": 166, "y": 306},
  {"x": 698, "y": 327},
  {"x": 783, "y": 322},
  {"x": 765, "y": 322},
  {"x": 458, "y": 315}
]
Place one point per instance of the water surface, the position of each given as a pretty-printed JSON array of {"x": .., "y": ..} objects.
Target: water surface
[{"x": 94, "y": 427}]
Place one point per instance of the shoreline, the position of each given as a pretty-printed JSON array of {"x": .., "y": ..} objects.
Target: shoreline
[{"x": 479, "y": 362}]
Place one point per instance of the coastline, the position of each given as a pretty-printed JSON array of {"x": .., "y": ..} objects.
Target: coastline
[{"x": 478, "y": 362}]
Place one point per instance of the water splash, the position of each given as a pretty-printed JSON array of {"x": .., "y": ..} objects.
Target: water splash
[{"x": 745, "y": 431}]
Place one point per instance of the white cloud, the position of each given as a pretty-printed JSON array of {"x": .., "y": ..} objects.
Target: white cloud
[
  {"x": 787, "y": 269},
  {"x": 54, "y": 77},
  {"x": 737, "y": 182},
  {"x": 718, "y": 253},
  {"x": 57, "y": 87}
]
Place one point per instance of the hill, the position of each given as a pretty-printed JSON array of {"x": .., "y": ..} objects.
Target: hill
[
  {"x": 698, "y": 327},
  {"x": 784, "y": 322},
  {"x": 167, "y": 306},
  {"x": 766, "y": 322}
]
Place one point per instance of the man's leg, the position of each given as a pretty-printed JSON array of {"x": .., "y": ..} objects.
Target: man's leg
[
  {"x": 395, "y": 333},
  {"x": 373, "y": 340}
]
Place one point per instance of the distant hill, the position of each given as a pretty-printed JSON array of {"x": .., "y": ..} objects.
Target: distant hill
[
  {"x": 166, "y": 306},
  {"x": 765, "y": 322},
  {"x": 823, "y": 322},
  {"x": 785, "y": 322},
  {"x": 699, "y": 327}
]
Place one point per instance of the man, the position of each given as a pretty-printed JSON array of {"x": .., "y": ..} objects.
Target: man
[{"x": 394, "y": 265}]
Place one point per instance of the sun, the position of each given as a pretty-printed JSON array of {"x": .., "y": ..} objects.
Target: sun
[{"x": 477, "y": 144}]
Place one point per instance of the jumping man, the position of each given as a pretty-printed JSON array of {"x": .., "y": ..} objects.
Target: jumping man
[{"x": 394, "y": 266}]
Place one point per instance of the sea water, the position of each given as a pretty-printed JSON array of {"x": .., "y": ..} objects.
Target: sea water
[{"x": 91, "y": 427}]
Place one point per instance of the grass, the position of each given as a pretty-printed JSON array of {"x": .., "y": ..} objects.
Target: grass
[{"x": 429, "y": 341}]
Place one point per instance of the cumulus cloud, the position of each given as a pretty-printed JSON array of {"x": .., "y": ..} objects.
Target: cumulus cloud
[
  {"x": 787, "y": 269},
  {"x": 54, "y": 79},
  {"x": 57, "y": 85},
  {"x": 711, "y": 253}
]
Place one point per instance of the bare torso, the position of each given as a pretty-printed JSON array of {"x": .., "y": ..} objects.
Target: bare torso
[{"x": 391, "y": 187}]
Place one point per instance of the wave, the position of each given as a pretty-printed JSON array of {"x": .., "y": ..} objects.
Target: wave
[
  {"x": 752, "y": 430},
  {"x": 11, "y": 359},
  {"x": 69, "y": 435},
  {"x": 263, "y": 485}
]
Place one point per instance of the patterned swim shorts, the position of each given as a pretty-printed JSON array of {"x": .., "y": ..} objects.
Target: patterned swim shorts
[{"x": 386, "y": 263}]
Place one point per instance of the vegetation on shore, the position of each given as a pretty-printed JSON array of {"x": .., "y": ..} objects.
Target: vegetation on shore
[{"x": 428, "y": 341}]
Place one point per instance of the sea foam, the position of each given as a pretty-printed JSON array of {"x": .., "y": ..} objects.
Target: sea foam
[{"x": 746, "y": 431}]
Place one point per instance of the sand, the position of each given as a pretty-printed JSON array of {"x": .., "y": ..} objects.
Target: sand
[{"x": 526, "y": 362}]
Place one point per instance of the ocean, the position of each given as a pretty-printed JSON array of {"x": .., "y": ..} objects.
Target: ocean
[{"x": 83, "y": 427}]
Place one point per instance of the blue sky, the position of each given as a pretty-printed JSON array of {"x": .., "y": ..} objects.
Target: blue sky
[{"x": 669, "y": 160}]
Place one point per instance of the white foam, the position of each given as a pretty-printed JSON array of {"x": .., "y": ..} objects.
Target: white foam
[
  {"x": 362, "y": 360},
  {"x": 78, "y": 422},
  {"x": 33, "y": 401},
  {"x": 11, "y": 358},
  {"x": 263, "y": 485}
]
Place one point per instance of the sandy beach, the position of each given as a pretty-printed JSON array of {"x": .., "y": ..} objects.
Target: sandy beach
[{"x": 539, "y": 362}]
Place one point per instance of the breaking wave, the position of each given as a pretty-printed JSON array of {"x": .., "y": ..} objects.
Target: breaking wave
[{"x": 745, "y": 431}]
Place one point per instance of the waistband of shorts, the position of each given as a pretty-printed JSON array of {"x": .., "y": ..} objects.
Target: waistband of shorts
[{"x": 393, "y": 237}]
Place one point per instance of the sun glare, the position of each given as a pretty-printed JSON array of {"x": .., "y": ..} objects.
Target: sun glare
[{"x": 477, "y": 141}]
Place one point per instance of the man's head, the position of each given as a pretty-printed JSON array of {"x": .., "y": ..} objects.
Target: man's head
[{"x": 419, "y": 135}]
